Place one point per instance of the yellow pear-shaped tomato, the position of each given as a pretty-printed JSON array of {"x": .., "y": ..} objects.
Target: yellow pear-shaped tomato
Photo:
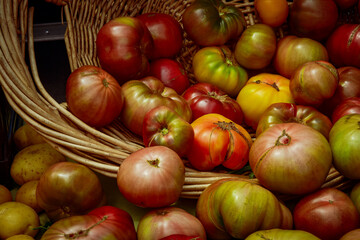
[{"x": 260, "y": 92}]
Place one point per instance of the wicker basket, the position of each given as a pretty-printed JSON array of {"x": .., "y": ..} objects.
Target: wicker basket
[{"x": 104, "y": 149}]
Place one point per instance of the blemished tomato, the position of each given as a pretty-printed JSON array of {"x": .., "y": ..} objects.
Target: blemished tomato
[
  {"x": 210, "y": 23},
  {"x": 106, "y": 222},
  {"x": 217, "y": 65},
  {"x": 347, "y": 106},
  {"x": 161, "y": 223},
  {"x": 272, "y": 12},
  {"x": 256, "y": 46},
  {"x": 218, "y": 140},
  {"x": 67, "y": 189},
  {"x": 94, "y": 96},
  {"x": 327, "y": 213},
  {"x": 261, "y": 91},
  {"x": 180, "y": 237},
  {"x": 205, "y": 98},
  {"x": 152, "y": 177},
  {"x": 166, "y": 33},
  {"x": 282, "y": 234}
]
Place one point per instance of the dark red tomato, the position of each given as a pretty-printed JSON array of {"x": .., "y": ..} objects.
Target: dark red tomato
[
  {"x": 327, "y": 213},
  {"x": 171, "y": 73},
  {"x": 348, "y": 106},
  {"x": 314, "y": 19},
  {"x": 343, "y": 45},
  {"x": 166, "y": 33},
  {"x": 205, "y": 98},
  {"x": 94, "y": 96},
  {"x": 181, "y": 237},
  {"x": 345, "y": 4}
]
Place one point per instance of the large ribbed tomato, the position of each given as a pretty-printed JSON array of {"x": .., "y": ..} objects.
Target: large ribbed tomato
[
  {"x": 218, "y": 140},
  {"x": 260, "y": 92}
]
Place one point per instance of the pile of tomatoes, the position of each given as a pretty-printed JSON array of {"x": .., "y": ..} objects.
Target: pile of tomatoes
[{"x": 287, "y": 106}]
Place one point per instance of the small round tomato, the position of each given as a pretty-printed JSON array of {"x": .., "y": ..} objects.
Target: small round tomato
[
  {"x": 261, "y": 91},
  {"x": 272, "y": 12},
  {"x": 218, "y": 140},
  {"x": 205, "y": 98},
  {"x": 217, "y": 65}
]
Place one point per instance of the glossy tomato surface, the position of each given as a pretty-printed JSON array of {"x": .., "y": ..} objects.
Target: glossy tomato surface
[
  {"x": 151, "y": 177},
  {"x": 218, "y": 140},
  {"x": 205, "y": 98},
  {"x": 327, "y": 213},
  {"x": 123, "y": 46},
  {"x": 212, "y": 23},
  {"x": 94, "y": 96},
  {"x": 164, "y": 127},
  {"x": 282, "y": 234},
  {"x": 272, "y": 12},
  {"x": 348, "y": 106},
  {"x": 217, "y": 66},
  {"x": 261, "y": 91},
  {"x": 166, "y": 32}
]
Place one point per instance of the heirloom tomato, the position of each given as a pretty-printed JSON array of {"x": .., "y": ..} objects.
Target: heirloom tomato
[
  {"x": 256, "y": 46},
  {"x": 166, "y": 33},
  {"x": 259, "y": 93},
  {"x": 151, "y": 177},
  {"x": 346, "y": 107},
  {"x": 205, "y": 98},
  {"x": 234, "y": 208},
  {"x": 352, "y": 235},
  {"x": 313, "y": 82},
  {"x": 181, "y": 237},
  {"x": 281, "y": 234},
  {"x": 164, "y": 127},
  {"x": 217, "y": 65},
  {"x": 343, "y": 45},
  {"x": 327, "y": 213},
  {"x": 355, "y": 196},
  {"x": 123, "y": 46},
  {"x": 285, "y": 157},
  {"x": 344, "y": 140},
  {"x": 289, "y": 112},
  {"x": 145, "y": 94},
  {"x": 67, "y": 189},
  {"x": 272, "y": 12},
  {"x": 314, "y": 19},
  {"x": 212, "y": 22},
  {"x": 161, "y": 223},
  {"x": 171, "y": 73},
  {"x": 218, "y": 140},
  {"x": 102, "y": 223},
  {"x": 293, "y": 51},
  {"x": 94, "y": 96}
]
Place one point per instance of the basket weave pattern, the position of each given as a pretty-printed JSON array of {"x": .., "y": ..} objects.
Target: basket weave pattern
[{"x": 104, "y": 149}]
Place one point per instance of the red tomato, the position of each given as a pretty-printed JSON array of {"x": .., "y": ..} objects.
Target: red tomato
[
  {"x": 102, "y": 223},
  {"x": 164, "y": 127},
  {"x": 94, "y": 96},
  {"x": 210, "y": 23},
  {"x": 67, "y": 189},
  {"x": 180, "y": 237},
  {"x": 164, "y": 222},
  {"x": 278, "y": 165},
  {"x": 343, "y": 45},
  {"x": 293, "y": 51},
  {"x": 272, "y": 12},
  {"x": 123, "y": 46},
  {"x": 218, "y": 140},
  {"x": 205, "y": 98},
  {"x": 290, "y": 112},
  {"x": 327, "y": 213},
  {"x": 261, "y": 91},
  {"x": 171, "y": 73},
  {"x": 166, "y": 33},
  {"x": 314, "y": 19},
  {"x": 348, "y": 106},
  {"x": 151, "y": 177},
  {"x": 145, "y": 94},
  {"x": 345, "y": 4}
]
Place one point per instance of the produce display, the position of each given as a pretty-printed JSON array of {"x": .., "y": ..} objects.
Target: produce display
[{"x": 255, "y": 118}]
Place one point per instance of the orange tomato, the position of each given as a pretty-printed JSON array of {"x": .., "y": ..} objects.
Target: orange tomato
[
  {"x": 272, "y": 12},
  {"x": 260, "y": 92}
]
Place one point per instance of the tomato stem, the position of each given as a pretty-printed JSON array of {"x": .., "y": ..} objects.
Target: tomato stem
[
  {"x": 154, "y": 163},
  {"x": 283, "y": 139},
  {"x": 105, "y": 82},
  {"x": 85, "y": 232}
]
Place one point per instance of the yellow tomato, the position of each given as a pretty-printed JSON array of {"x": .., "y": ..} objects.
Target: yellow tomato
[
  {"x": 260, "y": 92},
  {"x": 272, "y": 12}
]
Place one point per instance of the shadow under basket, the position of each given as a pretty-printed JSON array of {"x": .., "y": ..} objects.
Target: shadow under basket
[{"x": 103, "y": 150}]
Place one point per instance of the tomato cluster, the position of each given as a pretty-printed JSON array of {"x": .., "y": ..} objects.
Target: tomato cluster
[{"x": 286, "y": 107}]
